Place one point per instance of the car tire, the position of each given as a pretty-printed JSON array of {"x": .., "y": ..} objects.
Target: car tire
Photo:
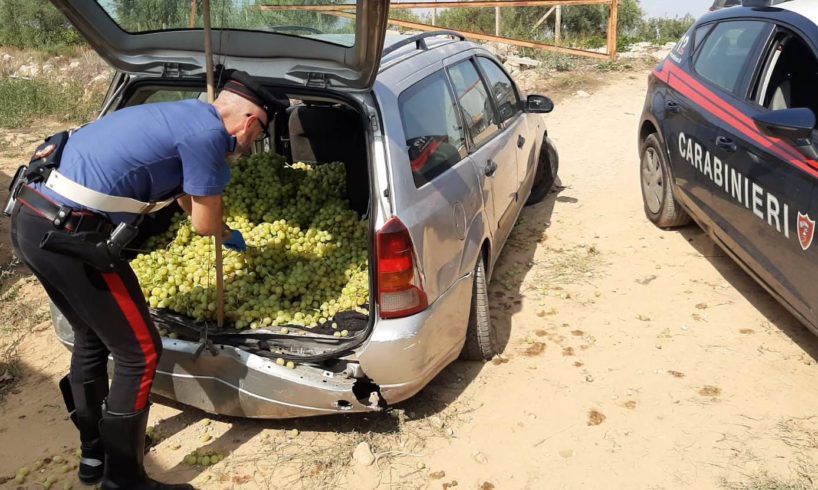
[
  {"x": 481, "y": 337},
  {"x": 661, "y": 206},
  {"x": 546, "y": 174}
]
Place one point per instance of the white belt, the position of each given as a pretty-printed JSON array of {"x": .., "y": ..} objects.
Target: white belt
[{"x": 90, "y": 198}]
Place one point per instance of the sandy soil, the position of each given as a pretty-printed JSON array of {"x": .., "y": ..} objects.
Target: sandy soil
[{"x": 634, "y": 358}]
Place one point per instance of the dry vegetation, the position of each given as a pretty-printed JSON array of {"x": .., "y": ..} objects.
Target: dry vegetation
[{"x": 21, "y": 309}]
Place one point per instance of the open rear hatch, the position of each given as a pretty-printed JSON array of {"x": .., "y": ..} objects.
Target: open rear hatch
[{"x": 325, "y": 44}]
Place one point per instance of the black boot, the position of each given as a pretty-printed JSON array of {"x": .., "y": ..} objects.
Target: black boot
[
  {"x": 123, "y": 437},
  {"x": 84, "y": 404}
]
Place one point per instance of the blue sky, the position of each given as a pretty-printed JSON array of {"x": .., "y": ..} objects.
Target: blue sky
[{"x": 671, "y": 8}]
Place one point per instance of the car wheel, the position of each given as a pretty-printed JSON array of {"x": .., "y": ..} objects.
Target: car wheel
[
  {"x": 481, "y": 337},
  {"x": 546, "y": 174},
  {"x": 661, "y": 207}
]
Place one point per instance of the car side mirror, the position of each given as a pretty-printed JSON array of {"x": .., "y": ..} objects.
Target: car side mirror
[
  {"x": 539, "y": 104},
  {"x": 794, "y": 125}
]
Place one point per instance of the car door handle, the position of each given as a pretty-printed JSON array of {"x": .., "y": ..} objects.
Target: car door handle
[
  {"x": 491, "y": 168},
  {"x": 672, "y": 107},
  {"x": 726, "y": 144},
  {"x": 520, "y": 141}
]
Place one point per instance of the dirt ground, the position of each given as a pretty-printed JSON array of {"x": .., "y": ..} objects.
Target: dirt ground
[{"x": 634, "y": 358}]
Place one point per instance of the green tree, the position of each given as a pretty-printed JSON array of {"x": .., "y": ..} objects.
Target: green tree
[
  {"x": 325, "y": 23},
  {"x": 143, "y": 15},
  {"x": 593, "y": 19},
  {"x": 661, "y": 30},
  {"x": 34, "y": 24},
  {"x": 577, "y": 21}
]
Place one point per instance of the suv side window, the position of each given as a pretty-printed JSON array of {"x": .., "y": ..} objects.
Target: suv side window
[
  {"x": 790, "y": 75},
  {"x": 726, "y": 51},
  {"x": 503, "y": 89},
  {"x": 475, "y": 103},
  {"x": 701, "y": 35},
  {"x": 434, "y": 134},
  {"x": 147, "y": 94},
  {"x": 172, "y": 96}
]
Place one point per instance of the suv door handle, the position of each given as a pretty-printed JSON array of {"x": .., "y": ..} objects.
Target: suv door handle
[
  {"x": 726, "y": 144},
  {"x": 520, "y": 141},
  {"x": 491, "y": 168},
  {"x": 672, "y": 107}
]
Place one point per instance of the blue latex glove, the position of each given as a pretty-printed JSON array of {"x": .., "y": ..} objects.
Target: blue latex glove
[{"x": 236, "y": 242}]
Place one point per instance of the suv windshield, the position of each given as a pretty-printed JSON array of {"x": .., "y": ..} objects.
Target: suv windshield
[{"x": 326, "y": 20}]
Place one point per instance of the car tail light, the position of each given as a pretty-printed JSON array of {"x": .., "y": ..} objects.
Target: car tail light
[{"x": 400, "y": 289}]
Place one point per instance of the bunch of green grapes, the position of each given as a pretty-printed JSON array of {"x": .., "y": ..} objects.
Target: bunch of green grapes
[{"x": 306, "y": 259}]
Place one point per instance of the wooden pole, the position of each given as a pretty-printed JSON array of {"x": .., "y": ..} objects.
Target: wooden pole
[
  {"x": 612, "y": 34},
  {"x": 211, "y": 97},
  {"x": 208, "y": 45},
  {"x": 496, "y": 21},
  {"x": 192, "y": 14},
  {"x": 558, "y": 24}
]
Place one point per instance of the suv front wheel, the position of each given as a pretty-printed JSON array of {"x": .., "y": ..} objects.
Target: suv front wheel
[{"x": 661, "y": 207}]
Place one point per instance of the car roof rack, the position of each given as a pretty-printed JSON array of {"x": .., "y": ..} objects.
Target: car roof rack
[{"x": 420, "y": 40}]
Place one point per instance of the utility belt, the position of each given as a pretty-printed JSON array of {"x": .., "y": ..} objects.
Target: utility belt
[{"x": 83, "y": 235}]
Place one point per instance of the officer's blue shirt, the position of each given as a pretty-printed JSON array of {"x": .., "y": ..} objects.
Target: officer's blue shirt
[{"x": 150, "y": 152}]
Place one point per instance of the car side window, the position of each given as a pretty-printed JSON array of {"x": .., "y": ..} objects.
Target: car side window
[
  {"x": 790, "y": 77},
  {"x": 474, "y": 101},
  {"x": 726, "y": 51},
  {"x": 506, "y": 98},
  {"x": 434, "y": 134},
  {"x": 172, "y": 96},
  {"x": 700, "y": 35}
]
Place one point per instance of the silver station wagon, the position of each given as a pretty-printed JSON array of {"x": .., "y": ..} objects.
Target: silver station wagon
[{"x": 441, "y": 154}]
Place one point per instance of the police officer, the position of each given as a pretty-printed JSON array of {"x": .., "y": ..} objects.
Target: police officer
[{"x": 111, "y": 172}]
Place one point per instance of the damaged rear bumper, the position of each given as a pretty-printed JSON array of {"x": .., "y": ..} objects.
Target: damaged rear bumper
[
  {"x": 401, "y": 356},
  {"x": 237, "y": 383}
]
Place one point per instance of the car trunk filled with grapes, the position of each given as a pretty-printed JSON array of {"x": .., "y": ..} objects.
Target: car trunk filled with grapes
[{"x": 302, "y": 288}]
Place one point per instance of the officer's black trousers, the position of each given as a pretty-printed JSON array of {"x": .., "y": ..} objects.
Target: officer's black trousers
[{"x": 106, "y": 310}]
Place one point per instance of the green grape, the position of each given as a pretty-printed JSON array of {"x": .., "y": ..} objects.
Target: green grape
[{"x": 306, "y": 258}]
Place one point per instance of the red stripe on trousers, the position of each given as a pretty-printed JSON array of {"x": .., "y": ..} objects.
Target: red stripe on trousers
[{"x": 140, "y": 329}]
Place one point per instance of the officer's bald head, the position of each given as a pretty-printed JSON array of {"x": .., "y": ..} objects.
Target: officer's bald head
[
  {"x": 242, "y": 119},
  {"x": 230, "y": 104}
]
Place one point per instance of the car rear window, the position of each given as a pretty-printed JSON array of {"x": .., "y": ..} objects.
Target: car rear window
[
  {"x": 334, "y": 26},
  {"x": 725, "y": 52},
  {"x": 434, "y": 135}
]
